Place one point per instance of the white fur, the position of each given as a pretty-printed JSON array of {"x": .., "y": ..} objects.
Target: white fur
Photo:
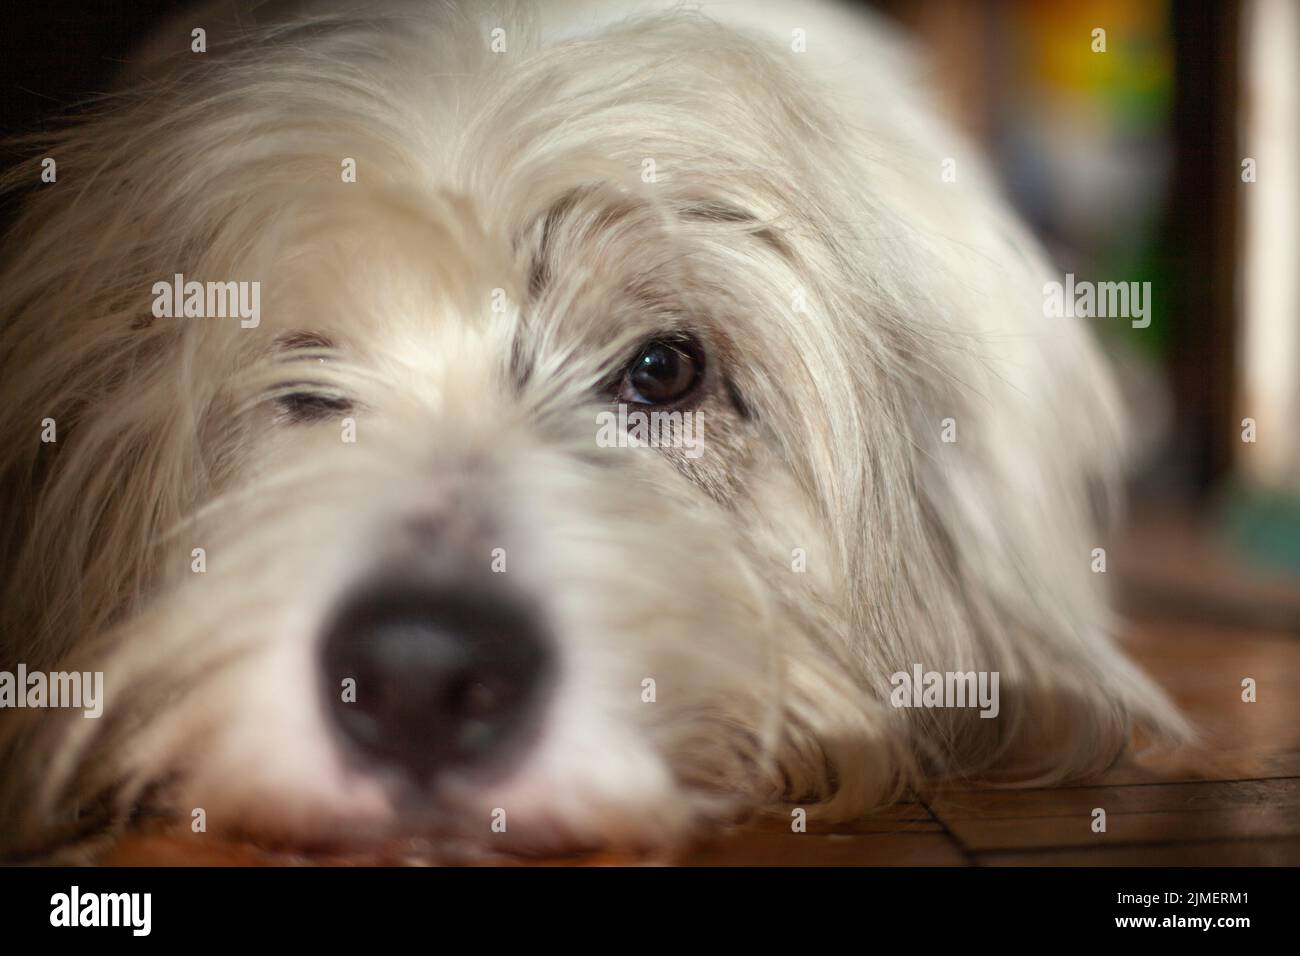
[{"x": 923, "y": 302}]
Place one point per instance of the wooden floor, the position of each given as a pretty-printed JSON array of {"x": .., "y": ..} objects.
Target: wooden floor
[
  {"x": 1235, "y": 800},
  {"x": 1201, "y": 620}
]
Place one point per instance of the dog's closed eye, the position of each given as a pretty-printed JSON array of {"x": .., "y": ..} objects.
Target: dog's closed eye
[
  {"x": 303, "y": 402},
  {"x": 307, "y": 403}
]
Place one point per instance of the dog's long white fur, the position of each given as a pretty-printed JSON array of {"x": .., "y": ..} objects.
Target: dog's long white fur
[{"x": 862, "y": 299}]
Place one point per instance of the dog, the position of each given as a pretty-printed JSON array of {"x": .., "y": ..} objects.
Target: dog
[{"x": 329, "y": 355}]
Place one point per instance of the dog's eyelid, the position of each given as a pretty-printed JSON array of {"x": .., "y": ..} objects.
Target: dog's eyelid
[{"x": 308, "y": 402}]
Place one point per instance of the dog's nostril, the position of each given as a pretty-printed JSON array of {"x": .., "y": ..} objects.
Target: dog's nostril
[
  {"x": 426, "y": 527},
  {"x": 425, "y": 679},
  {"x": 480, "y": 700}
]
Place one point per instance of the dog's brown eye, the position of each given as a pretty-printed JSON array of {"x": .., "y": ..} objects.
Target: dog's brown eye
[{"x": 663, "y": 372}]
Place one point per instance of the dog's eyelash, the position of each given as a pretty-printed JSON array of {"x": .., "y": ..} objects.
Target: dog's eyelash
[{"x": 306, "y": 403}]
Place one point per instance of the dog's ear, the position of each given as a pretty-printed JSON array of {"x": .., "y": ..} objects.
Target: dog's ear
[
  {"x": 1020, "y": 445},
  {"x": 84, "y": 474},
  {"x": 958, "y": 441}
]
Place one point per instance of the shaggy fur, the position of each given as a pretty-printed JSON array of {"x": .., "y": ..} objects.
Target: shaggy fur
[{"x": 849, "y": 301}]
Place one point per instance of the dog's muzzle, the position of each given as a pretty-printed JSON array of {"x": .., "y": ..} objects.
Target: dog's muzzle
[{"x": 427, "y": 679}]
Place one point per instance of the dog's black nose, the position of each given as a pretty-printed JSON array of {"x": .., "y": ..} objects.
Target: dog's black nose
[{"x": 439, "y": 679}]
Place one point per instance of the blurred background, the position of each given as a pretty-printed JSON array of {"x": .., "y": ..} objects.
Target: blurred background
[
  {"x": 1159, "y": 141},
  {"x": 1144, "y": 140}
]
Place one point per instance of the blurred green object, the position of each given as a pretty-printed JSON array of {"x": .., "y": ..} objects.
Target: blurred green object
[
  {"x": 1264, "y": 525},
  {"x": 1145, "y": 260}
]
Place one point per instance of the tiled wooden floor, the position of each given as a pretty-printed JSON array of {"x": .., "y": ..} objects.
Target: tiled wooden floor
[
  {"x": 1200, "y": 623},
  {"x": 1233, "y": 801}
]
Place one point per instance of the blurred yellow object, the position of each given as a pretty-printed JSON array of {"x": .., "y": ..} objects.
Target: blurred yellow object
[{"x": 1059, "y": 49}]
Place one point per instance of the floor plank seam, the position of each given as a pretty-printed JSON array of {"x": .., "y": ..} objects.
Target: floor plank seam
[
  {"x": 1131, "y": 845},
  {"x": 1120, "y": 786},
  {"x": 966, "y": 854}
]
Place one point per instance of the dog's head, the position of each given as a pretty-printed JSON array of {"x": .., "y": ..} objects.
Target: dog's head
[{"x": 388, "y": 548}]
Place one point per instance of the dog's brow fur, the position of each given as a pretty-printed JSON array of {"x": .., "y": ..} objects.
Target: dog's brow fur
[
  {"x": 721, "y": 211},
  {"x": 304, "y": 341},
  {"x": 539, "y": 273}
]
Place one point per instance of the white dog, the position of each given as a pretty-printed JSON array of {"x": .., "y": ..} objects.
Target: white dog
[{"x": 312, "y": 351}]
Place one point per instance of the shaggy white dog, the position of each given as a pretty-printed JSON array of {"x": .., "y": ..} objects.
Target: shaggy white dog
[{"x": 342, "y": 536}]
